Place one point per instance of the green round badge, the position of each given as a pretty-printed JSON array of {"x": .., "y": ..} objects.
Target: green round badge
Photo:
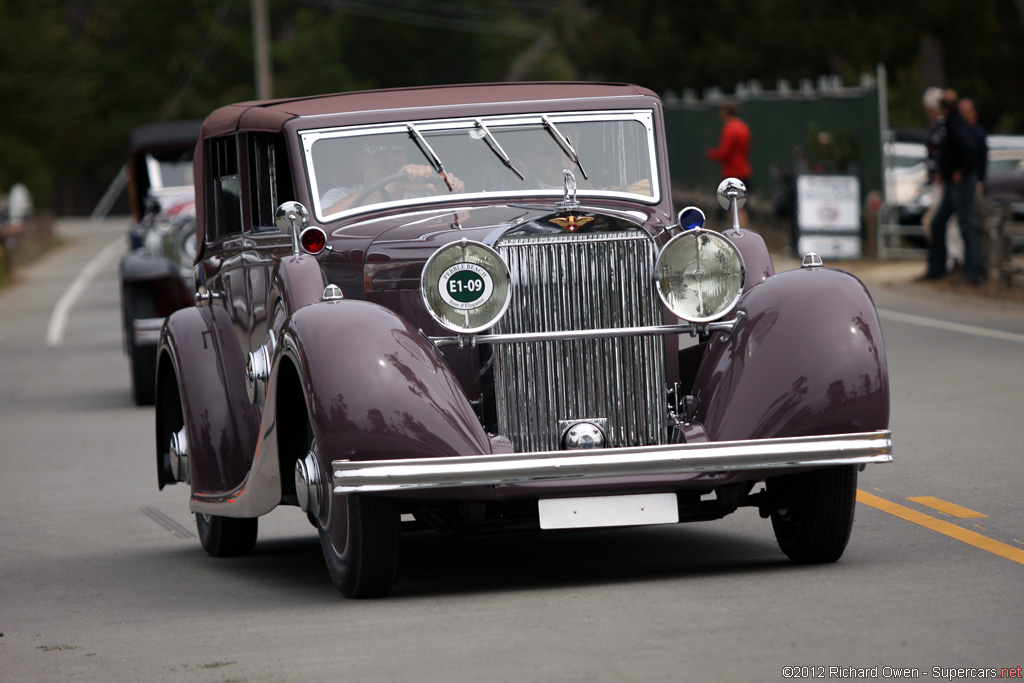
[{"x": 465, "y": 286}]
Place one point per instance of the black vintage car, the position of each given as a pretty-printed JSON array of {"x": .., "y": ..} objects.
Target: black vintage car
[
  {"x": 156, "y": 272},
  {"x": 474, "y": 309}
]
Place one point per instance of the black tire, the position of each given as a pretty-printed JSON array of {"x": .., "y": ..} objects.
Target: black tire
[
  {"x": 141, "y": 359},
  {"x": 812, "y": 513},
  {"x": 368, "y": 566},
  {"x": 226, "y": 536}
]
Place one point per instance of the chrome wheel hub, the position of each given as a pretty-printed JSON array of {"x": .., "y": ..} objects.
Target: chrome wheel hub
[
  {"x": 177, "y": 453},
  {"x": 307, "y": 484}
]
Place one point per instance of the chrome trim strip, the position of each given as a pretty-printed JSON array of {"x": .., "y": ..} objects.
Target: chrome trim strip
[
  {"x": 495, "y": 123},
  {"x": 568, "y": 335},
  {"x": 146, "y": 331},
  {"x": 514, "y": 468}
]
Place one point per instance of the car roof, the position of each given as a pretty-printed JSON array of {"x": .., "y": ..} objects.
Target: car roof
[
  {"x": 164, "y": 134},
  {"x": 271, "y": 115}
]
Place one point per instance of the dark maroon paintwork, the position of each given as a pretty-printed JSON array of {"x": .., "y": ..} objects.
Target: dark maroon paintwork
[
  {"x": 808, "y": 360},
  {"x": 379, "y": 259},
  {"x": 213, "y": 395},
  {"x": 360, "y": 378}
]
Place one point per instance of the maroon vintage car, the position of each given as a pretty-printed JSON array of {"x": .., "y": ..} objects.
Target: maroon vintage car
[{"x": 471, "y": 309}]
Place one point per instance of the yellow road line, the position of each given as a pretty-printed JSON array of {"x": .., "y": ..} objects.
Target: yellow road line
[
  {"x": 944, "y": 528},
  {"x": 949, "y": 508}
]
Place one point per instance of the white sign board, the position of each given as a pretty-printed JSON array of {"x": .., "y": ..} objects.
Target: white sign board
[{"x": 828, "y": 215}]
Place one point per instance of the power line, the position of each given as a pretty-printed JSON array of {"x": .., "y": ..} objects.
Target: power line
[
  {"x": 204, "y": 54},
  {"x": 442, "y": 15}
]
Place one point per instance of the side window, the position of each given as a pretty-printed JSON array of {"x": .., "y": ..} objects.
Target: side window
[
  {"x": 269, "y": 177},
  {"x": 226, "y": 207}
]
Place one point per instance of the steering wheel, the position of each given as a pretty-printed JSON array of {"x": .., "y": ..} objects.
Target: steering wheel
[{"x": 381, "y": 184}]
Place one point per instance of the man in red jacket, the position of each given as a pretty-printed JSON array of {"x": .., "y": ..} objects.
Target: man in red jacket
[{"x": 733, "y": 151}]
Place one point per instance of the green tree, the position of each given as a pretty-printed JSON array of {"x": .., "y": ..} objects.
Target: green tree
[{"x": 77, "y": 75}]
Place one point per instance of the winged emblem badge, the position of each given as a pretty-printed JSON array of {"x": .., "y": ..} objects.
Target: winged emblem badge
[{"x": 572, "y": 223}]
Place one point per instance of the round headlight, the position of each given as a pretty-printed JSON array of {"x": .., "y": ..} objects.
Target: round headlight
[
  {"x": 700, "y": 275},
  {"x": 465, "y": 286}
]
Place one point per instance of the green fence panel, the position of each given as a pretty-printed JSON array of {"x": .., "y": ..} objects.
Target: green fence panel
[{"x": 838, "y": 130}]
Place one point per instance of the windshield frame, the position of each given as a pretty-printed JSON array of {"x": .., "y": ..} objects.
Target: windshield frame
[{"x": 494, "y": 124}]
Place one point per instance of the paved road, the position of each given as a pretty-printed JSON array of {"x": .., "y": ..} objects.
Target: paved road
[{"x": 102, "y": 577}]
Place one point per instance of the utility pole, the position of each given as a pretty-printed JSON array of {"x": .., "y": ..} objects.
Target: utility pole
[{"x": 261, "y": 49}]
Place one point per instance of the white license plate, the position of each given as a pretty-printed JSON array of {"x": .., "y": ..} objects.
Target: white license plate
[{"x": 576, "y": 513}]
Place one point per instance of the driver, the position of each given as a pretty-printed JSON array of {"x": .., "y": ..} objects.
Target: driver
[
  {"x": 545, "y": 161},
  {"x": 376, "y": 161}
]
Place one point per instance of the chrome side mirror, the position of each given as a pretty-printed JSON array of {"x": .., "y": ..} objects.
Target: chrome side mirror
[
  {"x": 732, "y": 195},
  {"x": 292, "y": 216}
]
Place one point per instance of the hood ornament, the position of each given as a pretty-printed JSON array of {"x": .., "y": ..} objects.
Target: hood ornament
[{"x": 568, "y": 191}]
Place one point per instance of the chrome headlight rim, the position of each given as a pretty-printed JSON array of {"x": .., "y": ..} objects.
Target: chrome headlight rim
[
  {"x": 486, "y": 268},
  {"x": 671, "y": 247}
]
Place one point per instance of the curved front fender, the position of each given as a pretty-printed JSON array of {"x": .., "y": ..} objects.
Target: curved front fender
[
  {"x": 807, "y": 359},
  {"x": 222, "y": 425},
  {"x": 756, "y": 258},
  {"x": 299, "y": 281},
  {"x": 376, "y": 388}
]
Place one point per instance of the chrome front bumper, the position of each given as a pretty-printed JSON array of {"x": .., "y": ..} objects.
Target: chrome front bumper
[{"x": 515, "y": 468}]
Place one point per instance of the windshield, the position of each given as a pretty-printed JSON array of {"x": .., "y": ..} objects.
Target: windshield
[
  {"x": 609, "y": 153},
  {"x": 164, "y": 173}
]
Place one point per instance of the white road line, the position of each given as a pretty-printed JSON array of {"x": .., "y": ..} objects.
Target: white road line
[
  {"x": 948, "y": 326},
  {"x": 59, "y": 317}
]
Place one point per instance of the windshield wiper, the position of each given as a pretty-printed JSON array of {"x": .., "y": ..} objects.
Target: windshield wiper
[
  {"x": 564, "y": 143},
  {"x": 492, "y": 142},
  {"x": 431, "y": 155}
]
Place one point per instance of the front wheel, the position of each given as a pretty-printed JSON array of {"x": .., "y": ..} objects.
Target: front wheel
[
  {"x": 226, "y": 536},
  {"x": 812, "y": 513},
  {"x": 368, "y": 529}
]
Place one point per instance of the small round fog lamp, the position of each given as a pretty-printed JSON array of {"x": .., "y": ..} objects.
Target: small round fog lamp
[
  {"x": 700, "y": 275},
  {"x": 691, "y": 217}
]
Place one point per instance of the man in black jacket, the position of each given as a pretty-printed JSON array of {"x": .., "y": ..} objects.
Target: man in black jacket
[
  {"x": 956, "y": 157},
  {"x": 970, "y": 114}
]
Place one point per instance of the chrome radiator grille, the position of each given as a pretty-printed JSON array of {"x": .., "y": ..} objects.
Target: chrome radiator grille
[{"x": 577, "y": 282}]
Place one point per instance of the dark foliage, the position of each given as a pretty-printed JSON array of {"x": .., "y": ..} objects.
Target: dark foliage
[{"x": 77, "y": 75}]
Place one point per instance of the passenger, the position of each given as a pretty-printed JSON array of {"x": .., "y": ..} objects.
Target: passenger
[{"x": 545, "y": 161}]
